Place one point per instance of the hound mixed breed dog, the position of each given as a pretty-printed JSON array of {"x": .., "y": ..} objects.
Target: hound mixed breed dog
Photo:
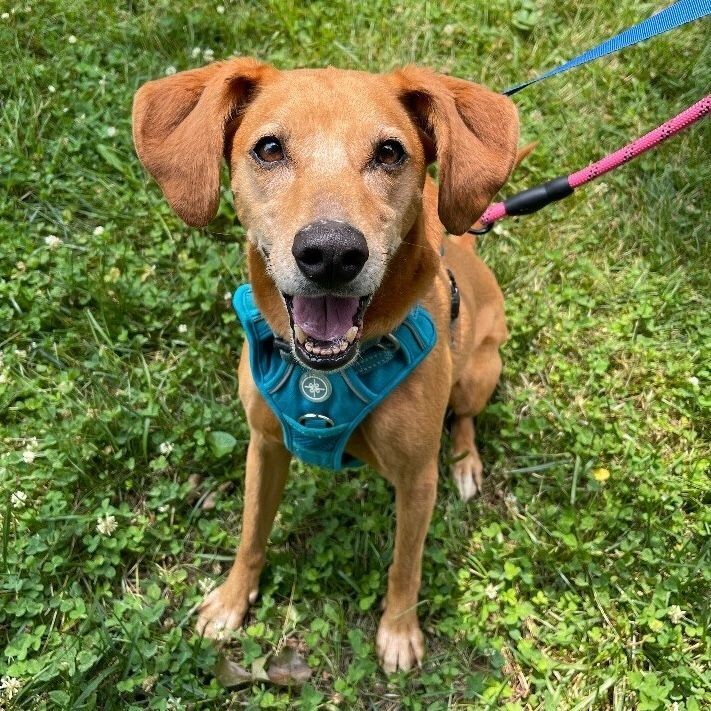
[{"x": 346, "y": 235}]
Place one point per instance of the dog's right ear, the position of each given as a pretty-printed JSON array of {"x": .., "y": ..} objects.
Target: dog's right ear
[{"x": 179, "y": 127}]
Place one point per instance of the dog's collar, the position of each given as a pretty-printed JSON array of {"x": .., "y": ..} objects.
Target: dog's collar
[{"x": 319, "y": 411}]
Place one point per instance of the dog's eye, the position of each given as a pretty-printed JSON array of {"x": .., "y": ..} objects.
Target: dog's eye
[
  {"x": 389, "y": 153},
  {"x": 268, "y": 150}
]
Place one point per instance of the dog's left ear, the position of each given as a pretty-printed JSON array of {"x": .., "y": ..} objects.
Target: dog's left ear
[
  {"x": 470, "y": 130},
  {"x": 181, "y": 125}
]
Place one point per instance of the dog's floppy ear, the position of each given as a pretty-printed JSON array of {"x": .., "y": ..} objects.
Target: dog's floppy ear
[
  {"x": 179, "y": 127},
  {"x": 471, "y": 131}
]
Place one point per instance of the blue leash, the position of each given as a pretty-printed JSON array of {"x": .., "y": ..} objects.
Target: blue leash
[{"x": 675, "y": 15}]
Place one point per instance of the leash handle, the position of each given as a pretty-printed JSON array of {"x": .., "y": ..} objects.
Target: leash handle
[
  {"x": 677, "y": 14},
  {"x": 533, "y": 199}
]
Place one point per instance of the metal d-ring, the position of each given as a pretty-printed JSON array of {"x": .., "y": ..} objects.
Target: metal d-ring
[
  {"x": 312, "y": 416},
  {"x": 480, "y": 230},
  {"x": 388, "y": 338}
]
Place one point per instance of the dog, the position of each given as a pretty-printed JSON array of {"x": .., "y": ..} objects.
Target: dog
[{"x": 347, "y": 238}]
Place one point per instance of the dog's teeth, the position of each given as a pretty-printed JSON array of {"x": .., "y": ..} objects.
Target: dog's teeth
[
  {"x": 299, "y": 333},
  {"x": 343, "y": 346},
  {"x": 327, "y": 351},
  {"x": 309, "y": 346},
  {"x": 316, "y": 350},
  {"x": 351, "y": 333}
]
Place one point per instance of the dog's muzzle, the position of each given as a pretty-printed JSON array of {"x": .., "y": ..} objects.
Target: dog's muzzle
[{"x": 326, "y": 328}]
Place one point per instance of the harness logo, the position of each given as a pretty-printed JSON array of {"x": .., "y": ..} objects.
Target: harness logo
[{"x": 314, "y": 387}]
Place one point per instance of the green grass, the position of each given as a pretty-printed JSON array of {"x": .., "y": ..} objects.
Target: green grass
[{"x": 552, "y": 591}]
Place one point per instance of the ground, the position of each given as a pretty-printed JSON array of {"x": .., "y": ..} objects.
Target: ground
[{"x": 580, "y": 579}]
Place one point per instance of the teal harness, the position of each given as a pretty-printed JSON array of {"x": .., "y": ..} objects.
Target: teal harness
[{"x": 320, "y": 411}]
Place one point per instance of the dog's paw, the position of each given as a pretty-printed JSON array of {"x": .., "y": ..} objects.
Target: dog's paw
[
  {"x": 399, "y": 644},
  {"x": 468, "y": 474},
  {"x": 222, "y": 611}
]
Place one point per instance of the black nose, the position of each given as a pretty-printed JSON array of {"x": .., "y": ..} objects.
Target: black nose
[{"x": 330, "y": 253}]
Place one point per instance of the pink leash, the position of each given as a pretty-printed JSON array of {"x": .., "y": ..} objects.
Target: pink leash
[{"x": 533, "y": 199}]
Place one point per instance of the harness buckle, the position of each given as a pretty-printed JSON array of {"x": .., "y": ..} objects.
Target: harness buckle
[{"x": 310, "y": 417}]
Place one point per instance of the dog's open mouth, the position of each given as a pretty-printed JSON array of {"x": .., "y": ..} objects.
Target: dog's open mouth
[{"x": 326, "y": 330}]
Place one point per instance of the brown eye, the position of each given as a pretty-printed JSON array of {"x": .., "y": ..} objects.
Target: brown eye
[
  {"x": 389, "y": 154},
  {"x": 268, "y": 150}
]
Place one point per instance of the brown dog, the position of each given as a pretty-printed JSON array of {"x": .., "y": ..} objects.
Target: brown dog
[{"x": 346, "y": 234}]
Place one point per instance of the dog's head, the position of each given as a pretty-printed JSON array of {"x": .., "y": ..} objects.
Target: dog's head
[{"x": 327, "y": 169}]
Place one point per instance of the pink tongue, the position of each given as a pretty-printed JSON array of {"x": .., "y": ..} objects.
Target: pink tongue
[{"x": 324, "y": 318}]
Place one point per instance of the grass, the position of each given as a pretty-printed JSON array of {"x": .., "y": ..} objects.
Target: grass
[{"x": 579, "y": 580}]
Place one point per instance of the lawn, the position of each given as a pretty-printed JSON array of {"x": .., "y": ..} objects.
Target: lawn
[{"x": 579, "y": 580}]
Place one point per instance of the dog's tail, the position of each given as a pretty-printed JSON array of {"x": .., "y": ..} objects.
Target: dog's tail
[{"x": 522, "y": 153}]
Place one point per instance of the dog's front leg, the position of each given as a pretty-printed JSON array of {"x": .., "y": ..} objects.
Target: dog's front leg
[
  {"x": 267, "y": 468},
  {"x": 399, "y": 640}
]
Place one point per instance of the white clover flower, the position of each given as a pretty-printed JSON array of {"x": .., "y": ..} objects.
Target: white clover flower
[
  {"x": 227, "y": 296},
  {"x": 10, "y": 687},
  {"x": 51, "y": 88},
  {"x": 490, "y": 591},
  {"x": 148, "y": 272},
  {"x": 675, "y": 614},
  {"x": 5, "y": 16},
  {"x": 149, "y": 682},
  {"x": 18, "y": 499},
  {"x": 693, "y": 381},
  {"x": 52, "y": 241},
  {"x": 174, "y": 703},
  {"x": 208, "y": 54},
  {"x": 113, "y": 275},
  {"x": 510, "y": 499},
  {"x": 111, "y": 131},
  {"x": 169, "y": 71},
  {"x": 166, "y": 448},
  {"x": 220, "y": 9},
  {"x": 205, "y": 585},
  {"x": 72, "y": 39},
  {"x": 28, "y": 456},
  {"x": 106, "y": 525},
  {"x": 195, "y": 52},
  {"x": 182, "y": 328},
  {"x": 99, "y": 229}
]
